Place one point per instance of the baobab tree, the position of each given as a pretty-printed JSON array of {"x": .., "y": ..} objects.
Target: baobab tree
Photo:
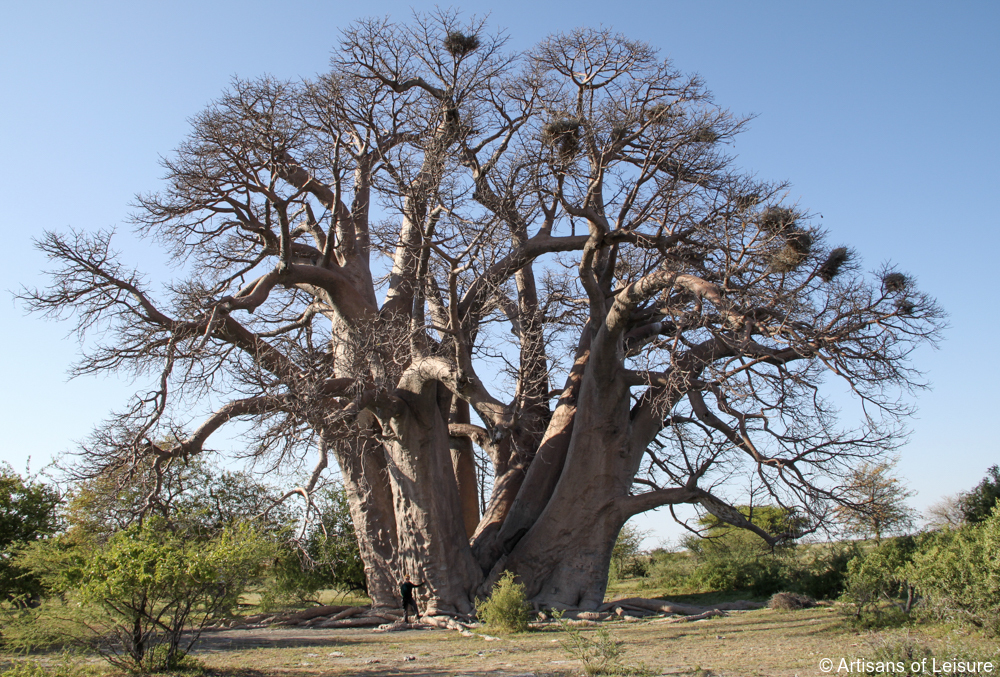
[{"x": 442, "y": 246}]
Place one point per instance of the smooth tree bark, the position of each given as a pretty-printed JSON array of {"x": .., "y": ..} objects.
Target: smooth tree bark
[{"x": 442, "y": 246}]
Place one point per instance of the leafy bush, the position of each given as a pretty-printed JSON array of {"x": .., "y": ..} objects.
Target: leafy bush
[
  {"x": 626, "y": 560},
  {"x": 977, "y": 505},
  {"x": 506, "y": 610},
  {"x": 625, "y": 557},
  {"x": 958, "y": 574},
  {"x": 28, "y": 512},
  {"x": 670, "y": 570},
  {"x": 133, "y": 598},
  {"x": 878, "y": 587},
  {"x": 824, "y": 575},
  {"x": 329, "y": 558},
  {"x": 740, "y": 560}
]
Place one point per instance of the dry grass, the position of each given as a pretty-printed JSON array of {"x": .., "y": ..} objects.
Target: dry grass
[
  {"x": 753, "y": 643},
  {"x": 749, "y": 643}
]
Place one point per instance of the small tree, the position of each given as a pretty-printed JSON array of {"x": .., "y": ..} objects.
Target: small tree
[
  {"x": 624, "y": 556},
  {"x": 876, "y": 502},
  {"x": 976, "y": 505},
  {"x": 879, "y": 580},
  {"x": 946, "y": 513},
  {"x": 327, "y": 555},
  {"x": 142, "y": 598},
  {"x": 28, "y": 512}
]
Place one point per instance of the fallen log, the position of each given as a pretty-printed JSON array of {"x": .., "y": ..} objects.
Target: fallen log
[
  {"x": 585, "y": 615},
  {"x": 446, "y": 622},
  {"x": 347, "y": 613},
  {"x": 309, "y": 614},
  {"x": 711, "y": 613},
  {"x": 358, "y": 622},
  {"x": 396, "y": 626},
  {"x": 665, "y": 607}
]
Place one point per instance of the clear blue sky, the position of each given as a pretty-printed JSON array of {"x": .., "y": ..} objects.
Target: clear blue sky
[{"x": 879, "y": 114}]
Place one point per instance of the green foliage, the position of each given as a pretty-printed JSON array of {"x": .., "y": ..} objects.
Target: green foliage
[
  {"x": 958, "y": 574},
  {"x": 28, "y": 512},
  {"x": 955, "y": 575},
  {"x": 600, "y": 652},
  {"x": 977, "y": 505},
  {"x": 670, "y": 570},
  {"x": 625, "y": 557},
  {"x": 142, "y": 598},
  {"x": 771, "y": 518},
  {"x": 198, "y": 499},
  {"x": 739, "y": 560},
  {"x": 878, "y": 588},
  {"x": 203, "y": 501},
  {"x": 824, "y": 574},
  {"x": 329, "y": 557},
  {"x": 506, "y": 609}
]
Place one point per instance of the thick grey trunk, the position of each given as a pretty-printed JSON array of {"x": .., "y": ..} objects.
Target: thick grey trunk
[
  {"x": 535, "y": 486},
  {"x": 369, "y": 496},
  {"x": 564, "y": 556},
  {"x": 433, "y": 545}
]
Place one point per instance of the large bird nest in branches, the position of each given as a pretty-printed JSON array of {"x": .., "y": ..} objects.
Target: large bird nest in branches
[
  {"x": 776, "y": 220},
  {"x": 895, "y": 282},
  {"x": 794, "y": 253},
  {"x": 459, "y": 44},
  {"x": 563, "y": 135},
  {"x": 834, "y": 261}
]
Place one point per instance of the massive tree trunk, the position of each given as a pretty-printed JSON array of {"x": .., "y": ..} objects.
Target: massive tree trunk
[
  {"x": 564, "y": 556},
  {"x": 365, "y": 475},
  {"x": 433, "y": 545}
]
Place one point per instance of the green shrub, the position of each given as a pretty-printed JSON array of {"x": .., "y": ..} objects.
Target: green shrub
[
  {"x": 740, "y": 560},
  {"x": 977, "y": 505},
  {"x": 506, "y": 610},
  {"x": 626, "y": 558},
  {"x": 329, "y": 558},
  {"x": 142, "y": 598},
  {"x": 670, "y": 571},
  {"x": 878, "y": 587},
  {"x": 28, "y": 512},
  {"x": 824, "y": 575},
  {"x": 958, "y": 575}
]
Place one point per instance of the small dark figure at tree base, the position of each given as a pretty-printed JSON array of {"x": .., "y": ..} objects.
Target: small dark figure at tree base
[{"x": 406, "y": 590}]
